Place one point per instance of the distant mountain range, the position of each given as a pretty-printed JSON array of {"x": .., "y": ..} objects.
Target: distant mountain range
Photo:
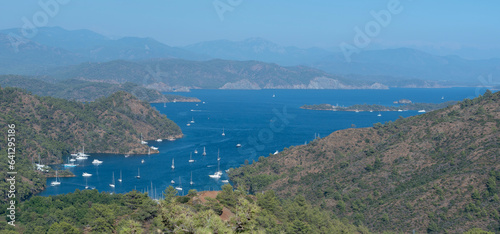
[
  {"x": 403, "y": 62},
  {"x": 177, "y": 74},
  {"x": 56, "y": 47}
]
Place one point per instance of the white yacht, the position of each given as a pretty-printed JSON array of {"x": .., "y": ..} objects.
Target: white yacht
[
  {"x": 421, "y": 111},
  {"x": 120, "y": 180},
  {"x": 276, "y": 152},
  {"x": 238, "y": 145},
  {"x": 142, "y": 141},
  {"x": 154, "y": 148},
  {"x": 112, "y": 185},
  {"x": 195, "y": 151},
  {"x": 56, "y": 182},
  {"x": 159, "y": 140},
  {"x": 96, "y": 161},
  {"x": 180, "y": 185},
  {"x": 85, "y": 174},
  {"x": 81, "y": 154},
  {"x": 218, "y": 173},
  {"x": 72, "y": 164}
]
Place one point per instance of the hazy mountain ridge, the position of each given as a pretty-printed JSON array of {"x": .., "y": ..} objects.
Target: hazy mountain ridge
[
  {"x": 435, "y": 172},
  {"x": 54, "y": 47},
  {"x": 402, "y": 62},
  {"x": 174, "y": 74}
]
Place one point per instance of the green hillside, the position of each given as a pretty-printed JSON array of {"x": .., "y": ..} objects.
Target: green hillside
[
  {"x": 227, "y": 211},
  {"x": 54, "y": 128},
  {"x": 436, "y": 172},
  {"x": 87, "y": 91}
]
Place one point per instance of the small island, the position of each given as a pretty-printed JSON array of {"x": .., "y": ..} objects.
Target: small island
[{"x": 366, "y": 107}]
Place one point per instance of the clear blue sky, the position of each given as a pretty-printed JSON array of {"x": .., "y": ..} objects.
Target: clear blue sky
[{"x": 323, "y": 23}]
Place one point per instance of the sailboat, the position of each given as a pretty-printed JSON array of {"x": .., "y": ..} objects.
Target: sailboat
[
  {"x": 54, "y": 183},
  {"x": 172, "y": 181},
  {"x": 180, "y": 185},
  {"x": 173, "y": 167},
  {"x": 86, "y": 185},
  {"x": 191, "y": 158},
  {"x": 142, "y": 141},
  {"x": 195, "y": 151},
  {"x": 164, "y": 104},
  {"x": 120, "y": 180},
  {"x": 218, "y": 157},
  {"x": 192, "y": 120},
  {"x": 218, "y": 173},
  {"x": 379, "y": 114},
  {"x": 191, "y": 182},
  {"x": 81, "y": 155},
  {"x": 138, "y": 174},
  {"x": 223, "y": 134},
  {"x": 204, "y": 152},
  {"x": 112, "y": 185},
  {"x": 442, "y": 97},
  {"x": 72, "y": 164}
]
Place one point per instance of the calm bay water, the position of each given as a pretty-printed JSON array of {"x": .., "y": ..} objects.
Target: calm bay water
[{"x": 260, "y": 123}]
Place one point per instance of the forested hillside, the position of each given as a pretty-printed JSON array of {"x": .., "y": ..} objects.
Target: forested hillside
[
  {"x": 226, "y": 211},
  {"x": 436, "y": 172},
  {"x": 87, "y": 91},
  {"x": 55, "y": 128}
]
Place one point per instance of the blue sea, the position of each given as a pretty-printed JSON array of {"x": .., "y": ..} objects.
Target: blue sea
[{"x": 261, "y": 123}]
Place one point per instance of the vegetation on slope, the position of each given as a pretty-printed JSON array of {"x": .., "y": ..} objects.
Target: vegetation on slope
[
  {"x": 436, "y": 172},
  {"x": 230, "y": 211},
  {"x": 86, "y": 91},
  {"x": 54, "y": 128}
]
